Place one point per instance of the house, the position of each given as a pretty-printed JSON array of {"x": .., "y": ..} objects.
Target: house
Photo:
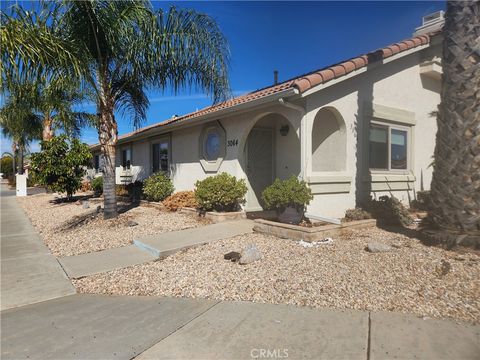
[{"x": 363, "y": 127}]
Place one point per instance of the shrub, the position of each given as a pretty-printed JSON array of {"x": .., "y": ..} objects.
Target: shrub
[
  {"x": 86, "y": 186},
  {"x": 12, "y": 180},
  {"x": 157, "y": 187},
  {"x": 287, "y": 193},
  {"x": 121, "y": 190},
  {"x": 180, "y": 199},
  {"x": 97, "y": 185},
  {"x": 61, "y": 164},
  {"x": 135, "y": 190},
  {"x": 222, "y": 192},
  {"x": 6, "y": 166},
  {"x": 389, "y": 211},
  {"x": 423, "y": 201},
  {"x": 357, "y": 214}
]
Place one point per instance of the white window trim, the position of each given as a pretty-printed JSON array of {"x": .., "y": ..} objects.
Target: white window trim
[{"x": 390, "y": 126}]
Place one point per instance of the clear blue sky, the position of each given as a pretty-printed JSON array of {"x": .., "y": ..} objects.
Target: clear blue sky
[{"x": 291, "y": 37}]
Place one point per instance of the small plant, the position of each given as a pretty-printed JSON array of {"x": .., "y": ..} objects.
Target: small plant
[
  {"x": 222, "y": 192},
  {"x": 135, "y": 190},
  {"x": 97, "y": 185},
  {"x": 180, "y": 199},
  {"x": 423, "y": 201},
  {"x": 357, "y": 214},
  {"x": 157, "y": 187},
  {"x": 389, "y": 211},
  {"x": 86, "y": 186},
  {"x": 121, "y": 190},
  {"x": 61, "y": 164},
  {"x": 287, "y": 193}
]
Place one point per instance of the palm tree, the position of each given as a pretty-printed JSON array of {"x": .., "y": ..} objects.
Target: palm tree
[
  {"x": 124, "y": 48},
  {"x": 21, "y": 125},
  {"x": 455, "y": 188}
]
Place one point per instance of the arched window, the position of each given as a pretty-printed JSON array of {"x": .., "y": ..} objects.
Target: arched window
[{"x": 328, "y": 141}]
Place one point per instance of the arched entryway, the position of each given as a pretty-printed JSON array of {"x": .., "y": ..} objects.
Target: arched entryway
[{"x": 272, "y": 150}]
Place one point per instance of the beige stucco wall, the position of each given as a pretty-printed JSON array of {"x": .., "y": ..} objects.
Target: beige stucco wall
[{"x": 343, "y": 180}]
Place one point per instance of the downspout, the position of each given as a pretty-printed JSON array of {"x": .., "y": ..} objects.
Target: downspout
[{"x": 303, "y": 135}]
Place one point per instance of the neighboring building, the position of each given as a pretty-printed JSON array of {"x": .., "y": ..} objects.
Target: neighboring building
[{"x": 360, "y": 128}]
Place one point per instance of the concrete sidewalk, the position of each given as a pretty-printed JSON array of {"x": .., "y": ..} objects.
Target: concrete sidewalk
[
  {"x": 29, "y": 272},
  {"x": 122, "y": 327},
  {"x": 149, "y": 248}
]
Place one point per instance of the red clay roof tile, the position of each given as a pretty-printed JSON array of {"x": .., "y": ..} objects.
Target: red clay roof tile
[{"x": 303, "y": 82}]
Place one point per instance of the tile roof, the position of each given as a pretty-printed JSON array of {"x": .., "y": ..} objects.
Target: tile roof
[{"x": 304, "y": 82}]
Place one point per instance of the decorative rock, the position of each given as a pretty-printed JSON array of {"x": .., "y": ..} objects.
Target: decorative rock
[
  {"x": 131, "y": 223},
  {"x": 378, "y": 248},
  {"x": 250, "y": 255},
  {"x": 232, "y": 256},
  {"x": 86, "y": 204}
]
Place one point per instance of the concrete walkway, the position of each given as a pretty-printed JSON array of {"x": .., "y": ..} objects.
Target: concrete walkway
[
  {"x": 29, "y": 272},
  {"x": 149, "y": 248},
  {"x": 171, "y": 242},
  {"x": 122, "y": 327}
]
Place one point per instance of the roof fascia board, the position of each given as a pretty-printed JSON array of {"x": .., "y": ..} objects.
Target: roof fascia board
[{"x": 364, "y": 69}]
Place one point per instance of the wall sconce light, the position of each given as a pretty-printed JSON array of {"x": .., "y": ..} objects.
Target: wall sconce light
[{"x": 284, "y": 130}]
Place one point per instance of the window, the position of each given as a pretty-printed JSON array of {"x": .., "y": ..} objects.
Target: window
[
  {"x": 126, "y": 158},
  {"x": 388, "y": 147},
  {"x": 98, "y": 163},
  {"x": 160, "y": 157},
  {"x": 212, "y": 146}
]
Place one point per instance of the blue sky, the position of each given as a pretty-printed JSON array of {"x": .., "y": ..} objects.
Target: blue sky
[{"x": 291, "y": 37}]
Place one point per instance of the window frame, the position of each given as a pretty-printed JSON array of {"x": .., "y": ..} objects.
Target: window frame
[
  {"x": 129, "y": 166},
  {"x": 212, "y": 165},
  {"x": 157, "y": 141},
  {"x": 390, "y": 127}
]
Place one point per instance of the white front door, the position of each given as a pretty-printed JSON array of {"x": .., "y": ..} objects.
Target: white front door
[{"x": 260, "y": 157}]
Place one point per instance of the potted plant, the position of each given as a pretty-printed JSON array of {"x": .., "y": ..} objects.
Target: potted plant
[{"x": 289, "y": 198}]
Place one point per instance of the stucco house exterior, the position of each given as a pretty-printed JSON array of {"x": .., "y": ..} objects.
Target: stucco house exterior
[{"x": 363, "y": 127}]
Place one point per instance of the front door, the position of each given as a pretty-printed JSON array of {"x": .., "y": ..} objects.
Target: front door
[{"x": 259, "y": 155}]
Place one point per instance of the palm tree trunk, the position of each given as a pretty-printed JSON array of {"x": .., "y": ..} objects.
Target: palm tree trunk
[
  {"x": 108, "y": 134},
  {"x": 47, "y": 133},
  {"x": 21, "y": 151},
  {"x": 14, "y": 157},
  {"x": 455, "y": 188}
]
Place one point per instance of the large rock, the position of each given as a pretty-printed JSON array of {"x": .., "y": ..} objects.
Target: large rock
[
  {"x": 378, "y": 248},
  {"x": 232, "y": 256},
  {"x": 250, "y": 254}
]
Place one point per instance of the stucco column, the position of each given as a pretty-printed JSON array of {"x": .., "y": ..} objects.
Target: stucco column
[{"x": 304, "y": 145}]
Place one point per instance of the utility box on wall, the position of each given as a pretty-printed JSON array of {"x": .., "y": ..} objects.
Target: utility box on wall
[{"x": 21, "y": 184}]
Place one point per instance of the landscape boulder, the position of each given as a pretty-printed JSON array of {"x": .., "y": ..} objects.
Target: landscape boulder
[
  {"x": 131, "y": 223},
  {"x": 378, "y": 248},
  {"x": 233, "y": 256},
  {"x": 250, "y": 254}
]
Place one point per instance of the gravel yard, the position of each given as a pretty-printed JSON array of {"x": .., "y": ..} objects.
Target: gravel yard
[
  {"x": 50, "y": 219},
  {"x": 413, "y": 278}
]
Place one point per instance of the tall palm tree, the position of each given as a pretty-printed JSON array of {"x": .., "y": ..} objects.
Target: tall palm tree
[
  {"x": 21, "y": 126},
  {"x": 122, "y": 48},
  {"x": 455, "y": 188}
]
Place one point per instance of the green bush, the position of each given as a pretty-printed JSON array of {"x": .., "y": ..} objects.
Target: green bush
[
  {"x": 61, "y": 164},
  {"x": 287, "y": 193},
  {"x": 6, "y": 166},
  {"x": 389, "y": 211},
  {"x": 222, "y": 192},
  {"x": 97, "y": 185},
  {"x": 157, "y": 187}
]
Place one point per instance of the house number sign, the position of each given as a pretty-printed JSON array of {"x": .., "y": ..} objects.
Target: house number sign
[{"x": 233, "y": 142}]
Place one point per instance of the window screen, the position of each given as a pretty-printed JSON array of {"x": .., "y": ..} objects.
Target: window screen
[{"x": 378, "y": 147}]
